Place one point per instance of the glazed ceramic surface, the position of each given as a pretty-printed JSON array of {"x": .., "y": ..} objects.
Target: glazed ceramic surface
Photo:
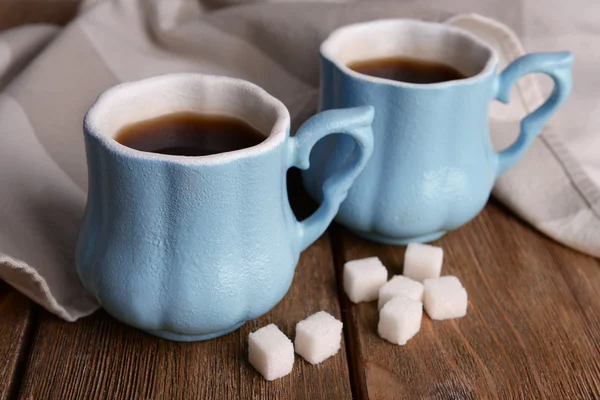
[
  {"x": 433, "y": 166},
  {"x": 189, "y": 248}
]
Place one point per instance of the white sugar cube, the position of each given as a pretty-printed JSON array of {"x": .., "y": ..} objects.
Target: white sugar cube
[
  {"x": 400, "y": 319},
  {"x": 271, "y": 352},
  {"x": 400, "y": 285},
  {"x": 445, "y": 298},
  {"x": 422, "y": 261},
  {"x": 318, "y": 337},
  {"x": 363, "y": 278}
]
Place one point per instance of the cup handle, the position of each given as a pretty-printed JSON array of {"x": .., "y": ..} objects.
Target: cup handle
[
  {"x": 555, "y": 65},
  {"x": 355, "y": 122}
]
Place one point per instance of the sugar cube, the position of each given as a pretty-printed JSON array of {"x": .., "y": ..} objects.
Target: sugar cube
[
  {"x": 400, "y": 285},
  {"x": 363, "y": 278},
  {"x": 271, "y": 352},
  {"x": 318, "y": 337},
  {"x": 422, "y": 261},
  {"x": 400, "y": 319},
  {"x": 445, "y": 298}
]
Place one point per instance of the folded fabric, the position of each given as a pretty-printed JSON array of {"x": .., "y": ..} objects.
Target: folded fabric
[{"x": 50, "y": 78}]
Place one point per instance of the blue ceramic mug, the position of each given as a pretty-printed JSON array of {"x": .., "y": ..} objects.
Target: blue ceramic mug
[
  {"x": 190, "y": 248},
  {"x": 433, "y": 166}
]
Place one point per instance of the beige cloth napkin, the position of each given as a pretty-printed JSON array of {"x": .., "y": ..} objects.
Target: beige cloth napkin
[{"x": 49, "y": 79}]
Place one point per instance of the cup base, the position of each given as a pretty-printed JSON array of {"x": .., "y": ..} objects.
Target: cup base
[
  {"x": 430, "y": 237},
  {"x": 193, "y": 338}
]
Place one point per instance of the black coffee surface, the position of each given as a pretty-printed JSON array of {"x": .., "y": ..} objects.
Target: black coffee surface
[
  {"x": 189, "y": 134},
  {"x": 410, "y": 70}
]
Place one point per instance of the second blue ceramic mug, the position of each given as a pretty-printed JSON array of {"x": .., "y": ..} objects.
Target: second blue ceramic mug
[{"x": 433, "y": 166}]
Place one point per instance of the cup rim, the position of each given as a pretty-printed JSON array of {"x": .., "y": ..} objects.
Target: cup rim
[
  {"x": 489, "y": 68},
  {"x": 276, "y": 136}
]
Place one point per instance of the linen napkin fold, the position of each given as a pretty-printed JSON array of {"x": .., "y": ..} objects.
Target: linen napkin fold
[{"x": 52, "y": 77}]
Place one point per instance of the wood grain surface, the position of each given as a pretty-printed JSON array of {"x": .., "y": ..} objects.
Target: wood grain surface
[
  {"x": 16, "y": 328},
  {"x": 18, "y": 12},
  {"x": 532, "y": 330}
]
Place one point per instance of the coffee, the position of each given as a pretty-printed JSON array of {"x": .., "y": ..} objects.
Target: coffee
[
  {"x": 189, "y": 134},
  {"x": 406, "y": 69}
]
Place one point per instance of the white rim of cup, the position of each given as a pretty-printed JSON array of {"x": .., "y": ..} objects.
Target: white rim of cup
[
  {"x": 102, "y": 109},
  {"x": 490, "y": 65}
]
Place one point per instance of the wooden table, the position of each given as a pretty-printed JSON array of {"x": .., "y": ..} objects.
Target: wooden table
[{"x": 532, "y": 330}]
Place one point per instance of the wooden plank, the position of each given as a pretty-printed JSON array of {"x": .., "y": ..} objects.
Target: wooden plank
[
  {"x": 532, "y": 329},
  {"x": 16, "y": 316},
  {"x": 18, "y": 12},
  {"x": 98, "y": 357}
]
